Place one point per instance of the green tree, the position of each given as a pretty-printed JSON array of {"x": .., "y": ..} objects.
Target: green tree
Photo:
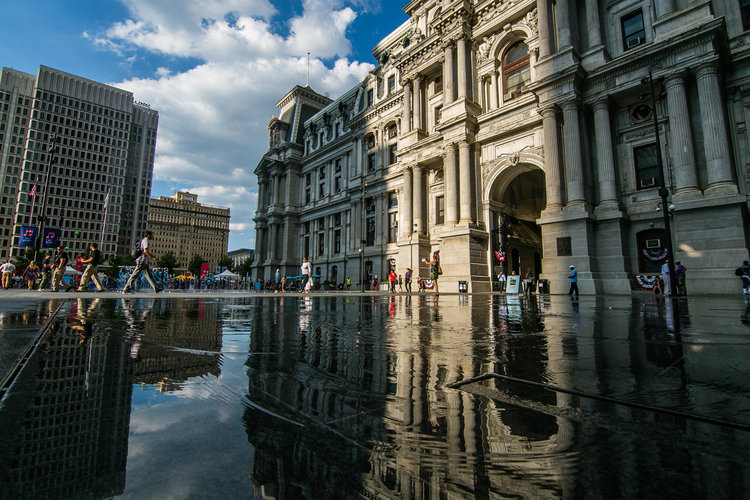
[
  {"x": 168, "y": 260},
  {"x": 225, "y": 261},
  {"x": 195, "y": 264},
  {"x": 116, "y": 262},
  {"x": 245, "y": 267}
]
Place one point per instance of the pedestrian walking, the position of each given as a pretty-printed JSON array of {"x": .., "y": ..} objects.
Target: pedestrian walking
[
  {"x": 31, "y": 274},
  {"x": 407, "y": 279},
  {"x": 46, "y": 271},
  {"x": 61, "y": 263},
  {"x": 392, "y": 281},
  {"x": 400, "y": 283},
  {"x": 142, "y": 265},
  {"x": 435, "y": 270},
  {"x": 348, "y": 283},
  {"x": 679, "y": 272},
  {"x": 744, "y": 272},
  {"x": 92, "y": 265},
  {"x": 501, "y": 279},
  {"x": 375, "y": 283},
  {"x": 7, "y": 270},
  {"x": 666, "y": 278},
  {"x": 306, "y": 271},
  {"x": 277, "y": 280},
  {"x": 573, "y": 282}
]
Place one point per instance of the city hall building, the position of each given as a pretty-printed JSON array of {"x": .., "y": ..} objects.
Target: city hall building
[{"x": 522, "y": 135}]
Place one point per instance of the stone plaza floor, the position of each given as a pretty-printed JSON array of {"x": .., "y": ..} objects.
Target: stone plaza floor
[{"x": 328, "y": 396}]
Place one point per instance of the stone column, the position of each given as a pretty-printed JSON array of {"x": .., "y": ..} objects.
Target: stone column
[
  {"x": 593, "y": 22},
  {"x": 605, "y": 158},
  {"x": 418, "y": 103},
  {"x": 681, "y": 137},
  {"x": 272, "y": 244},
  {"x": 417, "y": 199},
  {"x": 543, "y": 23},
  {"x": 718, "y": 156},
  {"x": 406, "y": 116},
  {"x": 464, "y": 183},
  {"x": 664, "y": 7},
  {"x": 573, "y": 162},
  {"x": 550, "y": 128},
  {"x": 494, "y": 90},
  {"x": 563, "y": 24},
  {"x": 407, "y": 219},
  {"x": 450, "y": 183},
  {"x": 448, "y": 74},
  {"x": 461, "y": 58},
  {"x": 276, "y": 187}
]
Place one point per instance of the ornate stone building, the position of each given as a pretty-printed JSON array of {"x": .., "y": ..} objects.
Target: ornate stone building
[{"x": 523, "y": 129}]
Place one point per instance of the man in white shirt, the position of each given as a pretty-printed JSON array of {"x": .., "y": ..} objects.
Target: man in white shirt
[
  {"x": 141, "y": 266},
  {"x": 7, "y": 269}
]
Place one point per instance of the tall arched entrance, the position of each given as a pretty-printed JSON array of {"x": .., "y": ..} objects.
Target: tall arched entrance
[{"x": 515, "y": 200}]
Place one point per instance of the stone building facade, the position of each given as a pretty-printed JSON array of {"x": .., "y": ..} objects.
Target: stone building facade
[
  {"x": 186, "y": 228},
  {"x": 523, "y": 130},
  {"x": 105, "y": 154}
]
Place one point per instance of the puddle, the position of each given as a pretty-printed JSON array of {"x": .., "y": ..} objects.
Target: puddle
[{"x": 348, "y": 397}]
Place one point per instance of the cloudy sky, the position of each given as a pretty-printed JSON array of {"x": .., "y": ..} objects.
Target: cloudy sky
[{"x": 212, "y": 68}]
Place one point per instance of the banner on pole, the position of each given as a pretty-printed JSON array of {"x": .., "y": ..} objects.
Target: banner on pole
[
  {"x": 28, "y": 236},
  {"x": 204, "y": 270},
  {"x": 51, "y": 238}
]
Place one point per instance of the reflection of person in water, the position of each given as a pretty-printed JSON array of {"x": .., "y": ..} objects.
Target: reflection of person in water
[
  {"x": 745, "y": 318},
  {"x": 83, "y": 322},
  {"x": 135, "y": 312},
  {"x": 304, "y": 315}
]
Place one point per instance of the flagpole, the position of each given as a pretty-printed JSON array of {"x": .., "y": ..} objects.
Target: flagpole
[{"x": 104, "y": 221}]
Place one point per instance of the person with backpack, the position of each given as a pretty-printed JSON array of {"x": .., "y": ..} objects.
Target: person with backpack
[
  {"x": 143, "y": 256},
  {"x": 744, "y": 273}
]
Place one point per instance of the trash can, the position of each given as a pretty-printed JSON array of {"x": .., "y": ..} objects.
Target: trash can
[
  {"x": 543, "y": 286},
  {"x": 463, "y": 287}
]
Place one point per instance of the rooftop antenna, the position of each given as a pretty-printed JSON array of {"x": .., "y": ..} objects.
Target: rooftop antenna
[{"x": 308, "y": 69}]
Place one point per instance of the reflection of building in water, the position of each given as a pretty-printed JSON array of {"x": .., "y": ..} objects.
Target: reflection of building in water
[
  {"x": 64, "y": 425},
  {"x": 179, "y": 340},
  {"x": 320, "y": 381},
  {"x": 380, "y": 422}
]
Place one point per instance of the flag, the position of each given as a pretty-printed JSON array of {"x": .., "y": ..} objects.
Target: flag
[
  {"x": 33, "y": 190},
  {"x": 106, "y": 199}
]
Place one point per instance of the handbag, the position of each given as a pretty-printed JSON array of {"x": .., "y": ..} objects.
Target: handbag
[{"x": 440, "y": 270}]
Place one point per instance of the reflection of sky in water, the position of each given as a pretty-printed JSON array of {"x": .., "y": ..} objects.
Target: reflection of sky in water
[{"x": 334, "y": 397}]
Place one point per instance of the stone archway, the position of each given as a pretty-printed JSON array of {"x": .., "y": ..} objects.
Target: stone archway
[{"x": 515, "y": 198}]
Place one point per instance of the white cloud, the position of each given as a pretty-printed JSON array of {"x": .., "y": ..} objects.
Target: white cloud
[{"x": 213, "y": 117}]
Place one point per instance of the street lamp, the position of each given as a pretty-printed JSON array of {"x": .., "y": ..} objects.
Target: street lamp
[
  {"x": 662, "y": 188},
  {"x": 51, "y": 149}
]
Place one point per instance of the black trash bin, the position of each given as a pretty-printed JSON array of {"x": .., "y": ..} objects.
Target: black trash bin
[
  {"x": 543, "y": 286},
  {"x": 463, "y": 287}
]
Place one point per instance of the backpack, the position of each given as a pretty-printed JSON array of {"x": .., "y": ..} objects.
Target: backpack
[
  {"x": 137, "y": 251},
  {"x": 738, "y": 271}
]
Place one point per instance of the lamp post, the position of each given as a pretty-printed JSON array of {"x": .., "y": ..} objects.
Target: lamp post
[
  {"x": 51, "y": 149},
  {"x": 662, "y": 188}
]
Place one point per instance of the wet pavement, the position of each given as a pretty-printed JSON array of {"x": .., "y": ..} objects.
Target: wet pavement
[{"x": 376, "y": 396}]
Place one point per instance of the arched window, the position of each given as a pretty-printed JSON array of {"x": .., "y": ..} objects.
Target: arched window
[{"x": 516, "y": 70}]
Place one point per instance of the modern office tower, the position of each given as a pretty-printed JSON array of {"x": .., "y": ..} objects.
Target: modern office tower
[
  {"x": 103, "y": 159},
  {"x": 522, "y": 136},
  {"x": 186, "y": 228}
]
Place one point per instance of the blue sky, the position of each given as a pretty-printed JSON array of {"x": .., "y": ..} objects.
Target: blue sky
[{"x": 212, "y": 68}]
